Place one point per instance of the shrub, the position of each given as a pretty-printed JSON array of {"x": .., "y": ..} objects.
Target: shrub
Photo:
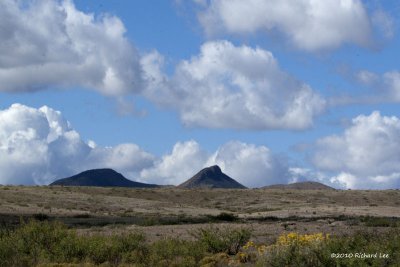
[
  {"x": 222, "y": 239},
  {"x": 40, "y": 217},
  {"x": 44, "y": 243},
  {"x": 317, "y": 250},
  {"x": 224, "y": 216},
  {"x": 174, "y": 252},
  {"x": 114, "y": 249},
  {"x": 380, "y": 221},
  {"x": 219, "y": 259},
  {"x": 51, "y": 242},
  {"x": 32, "y": 242},
  {"x": 7, "y": 251}
]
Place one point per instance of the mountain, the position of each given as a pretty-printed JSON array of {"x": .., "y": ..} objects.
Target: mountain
[
  {"x": 309, "y": 185},
  {"x": 100, "y": 177},
  {"x": 211, "y": 177}
]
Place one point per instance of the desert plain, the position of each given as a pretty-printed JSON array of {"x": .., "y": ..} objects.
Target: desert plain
[{"x": 175, "y": 212}]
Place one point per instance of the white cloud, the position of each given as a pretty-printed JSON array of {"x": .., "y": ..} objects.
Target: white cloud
[
  {"x": 376, "y": 88},
  {"x": 346, "y": 180},
  {"x": 310, "y": 25},
  {"x": 250, "y": 165},
  {"x": 52, "y": 44},
  {"x": 366, "y": 155},
  {"x": 39, "y": 145},
  {"x": 298, "y": 174},
  {"x": 391, "y": 85},
  {"x": 253, "y": 166},
  {"x": 366, "y": 77},
  {"x": 228, "y": 86},
  {"x": 129, "y": 158},
  {"x": 384, "y": 23},
  {"x": 183, "y": 162},
  {"x": 386, "y": 86}
]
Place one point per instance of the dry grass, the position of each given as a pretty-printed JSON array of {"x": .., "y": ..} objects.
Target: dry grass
[{"x": 172, "y": 212}]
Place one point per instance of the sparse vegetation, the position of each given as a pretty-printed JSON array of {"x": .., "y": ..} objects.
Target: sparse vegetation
[
  {"x": 37, "y": 242},
  {"x": 224, "y": 240},
  {"x": 293, "y": 249},
  {"x": 43, "y": 243},
  {"x": 370, "y": 221},
  {"x": 159, "y": 225},
  {"x": 224, "y": 216}
]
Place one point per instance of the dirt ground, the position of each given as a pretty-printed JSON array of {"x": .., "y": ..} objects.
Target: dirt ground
[{"x": 268, "y": 212}]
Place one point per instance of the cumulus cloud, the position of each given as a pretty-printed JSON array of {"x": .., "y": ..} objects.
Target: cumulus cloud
[
  {"x": 375, "y": 88},
  {"x": 183, "y": 162},
  {"x": 299, "y": 174},
  {"x": 228, "y": 86},
  {"x": 366, "y": 155},
  {"x": 366, "y": 77},
  {"x": 128, "y": 158},
  {"x": 386, "y": 86},
  {"x": 52, "y": 44},
  {"x": 39, "y": 145},
  {"x": 253, "y": 166},
  {"x": 391, "y": 85},
  {"x": 310, "y": 25}
]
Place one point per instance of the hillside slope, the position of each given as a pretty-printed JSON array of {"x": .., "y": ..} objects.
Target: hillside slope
[
  {"x": 100, "y": 177},
  {"x": 309, "y": 185},
  {"x": 211, "y": 177}
]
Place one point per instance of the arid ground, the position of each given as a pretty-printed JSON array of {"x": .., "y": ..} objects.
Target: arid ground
[{"x": 175, "y": 212}]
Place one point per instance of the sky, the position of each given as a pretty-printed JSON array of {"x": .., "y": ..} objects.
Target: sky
[{"x": 271, "y": 91}]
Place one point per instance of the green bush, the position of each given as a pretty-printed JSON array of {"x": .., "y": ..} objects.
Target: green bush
[
  {"x": 51, "y": 242},
  {"x": 31, "y": 243},
  {"x": 222, "y": 239},
  {"x": 44, "y": 243},
  {"x": 40, "y": 217},
  {"x": 175, "y": 252},
  {"x": 226, "y": 217},
  {"x": 337, "y": 251},
  {"x": 371, "y": 221},
  {"x": 113, "y": 249}
]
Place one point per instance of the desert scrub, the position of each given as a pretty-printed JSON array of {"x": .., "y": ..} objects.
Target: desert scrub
[
  {"x": 295, "y": 239},
  {"x": 380, "y": 221},
  {"x": 250, "y": 252},
  {"x": 174, "y": 252},
  {"x": 115, "y": 249},
  {"x": 44, "y": 243},
  {"x": 224, "y": 239},
  {"x": 35, "y": 243},
  {"x": 224, "y": 216},
  {"x": 316, "y": 250},
  {"x": 294, "y": 249}
]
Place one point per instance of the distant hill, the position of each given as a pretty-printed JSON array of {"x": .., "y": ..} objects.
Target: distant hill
[
  {"x": 309, "y": 185},
  {"x": 211, "y": 177},
  {"x": 100, "y": 177}
]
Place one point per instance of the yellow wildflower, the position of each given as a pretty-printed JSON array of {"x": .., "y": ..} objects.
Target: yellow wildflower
[
  {"x": 261, "y": 249},
  {"x": 295, "y": 238}
]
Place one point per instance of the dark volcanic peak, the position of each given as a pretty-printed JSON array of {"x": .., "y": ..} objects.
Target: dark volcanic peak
[
  {"x": 211, "y": 177},
  {"x": 100, "y": 177},
  {"x": 308, "y": 185}
]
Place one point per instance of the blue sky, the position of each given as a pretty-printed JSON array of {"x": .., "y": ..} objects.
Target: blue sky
[{"x": 272, "y": 91}]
